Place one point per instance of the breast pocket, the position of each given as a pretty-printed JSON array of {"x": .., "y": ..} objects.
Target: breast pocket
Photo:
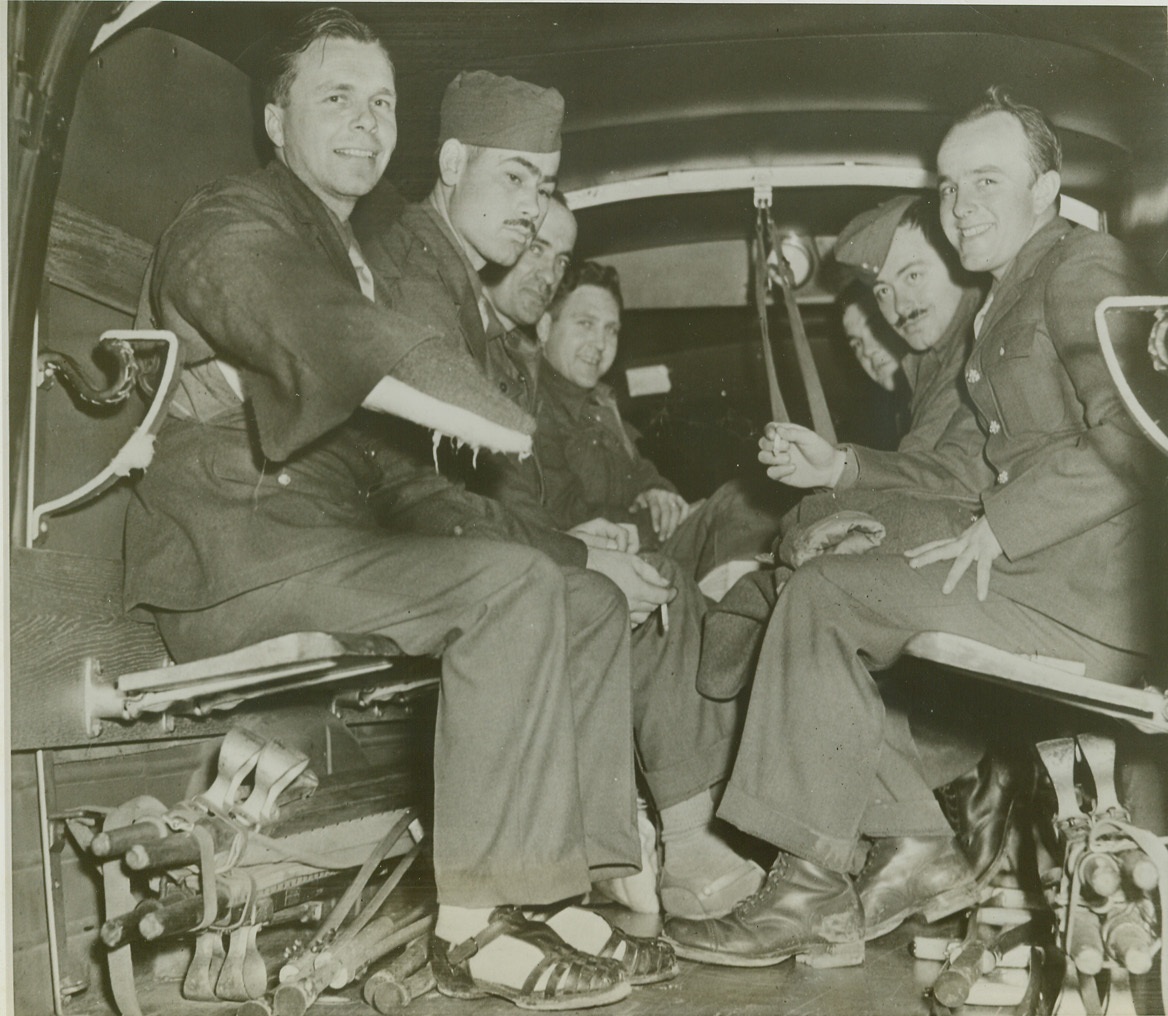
[{"x": 1026, "y": 377}]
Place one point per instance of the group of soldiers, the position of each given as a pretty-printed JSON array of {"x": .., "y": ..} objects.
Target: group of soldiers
[{"x": 555, "y": 571}]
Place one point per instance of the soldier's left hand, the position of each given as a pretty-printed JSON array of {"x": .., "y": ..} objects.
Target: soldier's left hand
[
  {"x": 977, "y": 543},
  {"x": 666, "y": 509}
]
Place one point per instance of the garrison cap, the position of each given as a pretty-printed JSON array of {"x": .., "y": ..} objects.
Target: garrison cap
[
  {"x": 481, "y": 108},
  {"x": 863, "y": 243}
]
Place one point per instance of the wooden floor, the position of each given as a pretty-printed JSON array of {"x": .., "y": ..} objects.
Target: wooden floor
[{"x": 890, "y": 983}]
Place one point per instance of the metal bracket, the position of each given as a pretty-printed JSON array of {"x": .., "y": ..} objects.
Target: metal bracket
[{"x": 139, "y": 447}]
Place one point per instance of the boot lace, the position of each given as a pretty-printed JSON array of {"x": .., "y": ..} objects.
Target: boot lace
[{"x": 747, "y": 905}]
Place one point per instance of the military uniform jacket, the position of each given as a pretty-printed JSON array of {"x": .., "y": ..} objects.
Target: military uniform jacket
[
  {"x": 589, "y": 463},
  {"x": 427, "y": 276},
  {"x": 1062, "y": 474},
  {"x": 934, "y": 376},
  {"x": 242, "y": 493}
]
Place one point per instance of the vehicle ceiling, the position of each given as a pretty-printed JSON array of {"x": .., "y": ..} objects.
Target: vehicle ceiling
[{"x": 656, "y": 88}]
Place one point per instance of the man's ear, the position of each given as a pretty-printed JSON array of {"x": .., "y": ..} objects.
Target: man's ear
[
  {"x": 1045, "y": 191},
  {"x": 274, "y": 123},
  {"x": 452, "y": 157},
  {"x": 543, "y": 328}
]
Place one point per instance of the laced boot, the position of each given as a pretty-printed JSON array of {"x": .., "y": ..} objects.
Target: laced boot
[
  {"x": 802, "y": 910},
  {"x": 906, "y": 875},
  {"x": 980, "y": 807}
]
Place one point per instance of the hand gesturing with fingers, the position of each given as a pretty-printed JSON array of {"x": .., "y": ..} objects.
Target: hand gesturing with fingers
[{"x": 977, "y": 544}]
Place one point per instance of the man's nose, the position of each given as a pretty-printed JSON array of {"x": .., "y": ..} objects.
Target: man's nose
[
  {"x": 962, "y": 203},
  {"x": 546, "y": 273},
  {"x": 529, "y": 202},
  {"x": 365, "y": 119}
]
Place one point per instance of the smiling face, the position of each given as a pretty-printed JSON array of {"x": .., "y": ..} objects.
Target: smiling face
[
  {"x": 338, "y": 127},
  {"x": 580, "y": 342},
  {"x": 873, "y": 356},
  {"x": 497, "y": 198},
  {"x": 915, "y": 290},
  {"x": 524, "y": 293},
  {"x": 991, "y": 201}
]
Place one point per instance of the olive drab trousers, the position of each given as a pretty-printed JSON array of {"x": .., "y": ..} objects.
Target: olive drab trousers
[
  {"x": 533, "y": 752},
  {"x": 685, "y": 742},
  {"x": 820, "y": 756}
]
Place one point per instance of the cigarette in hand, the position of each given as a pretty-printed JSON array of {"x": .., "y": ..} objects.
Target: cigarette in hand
[{"x": 665, "y": 619}]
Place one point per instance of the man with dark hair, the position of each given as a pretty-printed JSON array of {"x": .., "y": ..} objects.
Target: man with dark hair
[
  {"x": 875, "y": 346},
  {"x": 254, "y": 521},
  {"x": 498, "y": 155},
  {"x": 587, "y": 456},
  {"x": 1060, "y": 548}
]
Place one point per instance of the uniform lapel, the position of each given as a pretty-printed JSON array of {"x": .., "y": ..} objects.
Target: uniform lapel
[{"x": 1025, "y": 264}]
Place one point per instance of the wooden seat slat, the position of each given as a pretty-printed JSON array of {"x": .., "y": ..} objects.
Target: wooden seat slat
[{"x": 1063, "y": 680}]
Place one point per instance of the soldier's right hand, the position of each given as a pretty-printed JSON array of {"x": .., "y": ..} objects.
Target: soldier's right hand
[
  {"x": 799, "y": 457},
  {"x": 644, "y": 587}
]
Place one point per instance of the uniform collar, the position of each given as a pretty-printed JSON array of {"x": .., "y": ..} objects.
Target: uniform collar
[
  {"x": 305, "y": 206},
  {"x": 1009, "y": 288},
  {"x": 574, "y": 397}
]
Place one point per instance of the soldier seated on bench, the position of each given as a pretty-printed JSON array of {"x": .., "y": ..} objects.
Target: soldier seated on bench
[
  {"x": 589, "y": 462},
  {"x": 1054, "y": 561},
  {"x": 253, "y": 521}
]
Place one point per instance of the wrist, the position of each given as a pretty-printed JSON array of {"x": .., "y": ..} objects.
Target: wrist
[{"x": 837, "y": 467}]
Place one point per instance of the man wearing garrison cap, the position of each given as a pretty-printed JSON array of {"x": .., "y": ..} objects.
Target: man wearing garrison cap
[
  {"x": 498, "y": 156},
  {"x": 899, "y": 251}
]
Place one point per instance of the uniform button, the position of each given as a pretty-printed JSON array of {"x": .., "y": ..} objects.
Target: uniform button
[
  {"x": 457, "y": 530},
  {"x": 995, "y": 426},
  {"x": 502, "y": 386},
  {"x": 972, "y": 376},
  {"x": 1003, "y": 477},
  {"x": 283, "y": 479},
  {"x": 1001, "y": 350}
]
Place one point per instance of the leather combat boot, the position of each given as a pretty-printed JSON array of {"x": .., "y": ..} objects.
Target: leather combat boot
[
  {"x": 802, "y": 910},
  {"x": 906, "y": 875},
  {"x": 981, "y": 805}
]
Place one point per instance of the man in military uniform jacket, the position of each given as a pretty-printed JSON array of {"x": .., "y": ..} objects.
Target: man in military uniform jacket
[{"x": 1054, "y": 561}]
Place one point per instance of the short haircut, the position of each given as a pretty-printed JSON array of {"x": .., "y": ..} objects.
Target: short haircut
[
  {"x": 856, "y": 294},
  {"x": 586, "y": 273},
  {"x": 319, "y": 23},
  {"x": 1043, "y": 148},
  {"x": 925, "y": 215}
]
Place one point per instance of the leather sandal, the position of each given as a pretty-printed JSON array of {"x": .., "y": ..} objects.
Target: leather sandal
[
  {"x": 644, "y": 960},
  {"x": 570, "y": 979}
]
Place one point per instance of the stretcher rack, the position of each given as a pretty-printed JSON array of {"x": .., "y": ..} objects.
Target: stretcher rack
[
  {"x": 1103, "y": 928},
  {"x": 292, "y": 662},
  {"x": 1109, "y": 896},
  {"x": 268, "y": 843}
]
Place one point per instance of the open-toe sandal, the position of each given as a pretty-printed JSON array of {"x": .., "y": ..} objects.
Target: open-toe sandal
[
  {"x": 563, "y": 979},
  {"x": 645, "y": 960}
]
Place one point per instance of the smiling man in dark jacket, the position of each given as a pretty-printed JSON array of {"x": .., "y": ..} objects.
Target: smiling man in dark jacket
[{"x": 254, "y": 520}]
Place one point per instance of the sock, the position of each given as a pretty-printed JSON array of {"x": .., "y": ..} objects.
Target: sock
[
  {"x": 702, "y": 875},
  {"x": 581, "y": 929},
  {"x": 506, "y": 960}
]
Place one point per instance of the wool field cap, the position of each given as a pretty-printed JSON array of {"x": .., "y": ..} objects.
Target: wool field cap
[
  {"x": 481, "y": 108},
  {"x": 863, "y": 243}
]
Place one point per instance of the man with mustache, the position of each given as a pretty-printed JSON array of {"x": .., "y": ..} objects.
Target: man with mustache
[
  {"x": 922, "y": 291},
  {"x": 499, "y": 142},
  {"x": 1056, "y": 559}
]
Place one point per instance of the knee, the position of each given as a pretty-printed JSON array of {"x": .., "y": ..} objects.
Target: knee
[
  {"x": 504, "y": 565},
  {"x": 595, "y": 599}
]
